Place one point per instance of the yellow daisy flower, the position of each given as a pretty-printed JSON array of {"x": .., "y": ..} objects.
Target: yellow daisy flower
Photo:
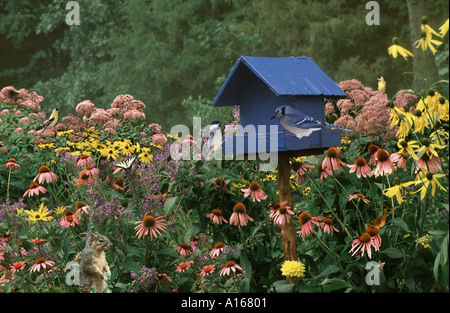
[
  {"x": 428, "y": 179},
  {"x": 395, "y": 50},
  {"x": 42, "y": 214}
]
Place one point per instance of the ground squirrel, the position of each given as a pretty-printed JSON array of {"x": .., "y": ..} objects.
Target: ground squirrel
[{"x": 93, "y": 264}]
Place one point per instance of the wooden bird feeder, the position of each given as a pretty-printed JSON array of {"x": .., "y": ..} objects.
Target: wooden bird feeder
[{"x": 258, "y": 85}]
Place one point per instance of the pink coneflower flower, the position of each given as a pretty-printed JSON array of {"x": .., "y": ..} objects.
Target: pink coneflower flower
[
  {"x": 119, "y": 183},
  {"x": 361, "y": 168},
  {"x": 91, "y": 171},
  {"x": 400, "y": 159},
  {"x": 431, "y": 164},
  {"x": 34, "y": 189},
  {"x": 83, "y": 178},
  {"x": 85, "y": 160},
  {"x": 255, "y": 191},
  {"x": 150, "y": 225},
  {"x": 217, "y": 249},
  {"x": 207, "y": 270},
  {"x": 274, "y": 208},
  {"x": 45, "y": 175},
  {"x": 384, "y": 165},
  {"x": 11, "y": 164},
  {"x": 239, "y": 216},
  {"x": 306, "y": 221},
  {"x": 303, "y": 168},
  {"x": 216, "y": 216},
  {"x": 323, "y": 172},
  {"x": 183, "y": 266},
  {"x": 372, "y": 151},
  {"x": 363, "y": 243},
  {"x": 18, "y": 266},
  {"x": 69, "y": 219},
  {"x": 184, "y": 249},
  {"x": 327, "y": 226},
  {"x": 283, "y": 215},
  {"x": 359, "y": 197},
  {"x": 41, "y": 263},
  {"x": 230, "y": 266},
  {"x": 331, "y": 161}
]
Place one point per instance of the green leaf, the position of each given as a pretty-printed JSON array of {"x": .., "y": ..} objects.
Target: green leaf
[
  {"x": 282, "y": 286},
  {"x": 335, "y": 284},
  {"x": 401, "y": 223},
  {"x": 332, "y": 268},
  {"x": 168, "y": 204},
  {"x": 393, "y": 253}
]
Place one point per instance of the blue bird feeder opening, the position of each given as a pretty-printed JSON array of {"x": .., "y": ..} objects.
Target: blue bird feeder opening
[{"x": 258, "y": 85}]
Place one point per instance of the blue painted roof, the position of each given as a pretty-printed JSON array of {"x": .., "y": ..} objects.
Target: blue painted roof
[{"x": 289, "y": 76}]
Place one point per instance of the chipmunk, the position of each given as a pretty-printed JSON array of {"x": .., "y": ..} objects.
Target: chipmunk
[{"x": 93, "y": 264}]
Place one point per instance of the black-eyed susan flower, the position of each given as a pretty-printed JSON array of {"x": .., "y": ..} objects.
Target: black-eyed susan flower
[
  {"x": 396, "y": 50},
  {"x": 42, "y": 214},
  {"x": 443, "y": 29},
  {"x": 397, "y": 190},
  {"x": 110, "y": 152},
  {"x": 409, "y": 146},
  {"x": 145, "y": 157},
  {"x": 429, "y": 182}
]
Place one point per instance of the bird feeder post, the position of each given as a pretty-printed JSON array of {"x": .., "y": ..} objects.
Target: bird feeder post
[{"x": 284, "y": 189}]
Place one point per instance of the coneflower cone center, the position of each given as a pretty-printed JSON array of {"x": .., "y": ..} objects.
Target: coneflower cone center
[
  {"x": 148, "y": 221},
  {"x": 40, "y": 260},
  {"x": 185, "y": 246},
  {"x": 360, "y": 162},
  {"x": 229, "y": 264},
  {"x": 282, "y": 210},
  {"x": 43, "y": 169},
  {"x": 254, "y": 186},
  {"x": 304, "y": 217},
  {"x": 382, "y": 155},
  {"x": 372, "y": 231},
  {"x": 239, "y": 208},
  {"x": 332, "y": 153},
  {"x": 219, "y": 245},
  {"x": 365, "y": 238},
  {"x": 217, "y": 212},
  {"x": 328, "y": 221},
  {"x": 372, "y": 149}
]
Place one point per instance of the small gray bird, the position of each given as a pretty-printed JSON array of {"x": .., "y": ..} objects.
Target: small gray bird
[
  {"x": 299, "y": 123},
  {"x": 214, "y": 140}
]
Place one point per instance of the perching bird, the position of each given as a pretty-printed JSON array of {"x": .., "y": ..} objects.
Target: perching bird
[
  {"x": 53, "y": 119},
  {"x": 214, "y": 140},
  {"x": 298, "y": 123},
  {"x": 381, "y": 84}
]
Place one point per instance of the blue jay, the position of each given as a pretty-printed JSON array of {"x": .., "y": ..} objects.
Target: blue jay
[
  {"x": 298, "y": 123},
  {"x": 215, "y": 140}
]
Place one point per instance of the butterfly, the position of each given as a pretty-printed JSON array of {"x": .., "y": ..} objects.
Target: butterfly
[
  {"x": 126, "y": 165},
  {"x": 375, "y": 225},
  {"x": 228, "y": 249}
]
